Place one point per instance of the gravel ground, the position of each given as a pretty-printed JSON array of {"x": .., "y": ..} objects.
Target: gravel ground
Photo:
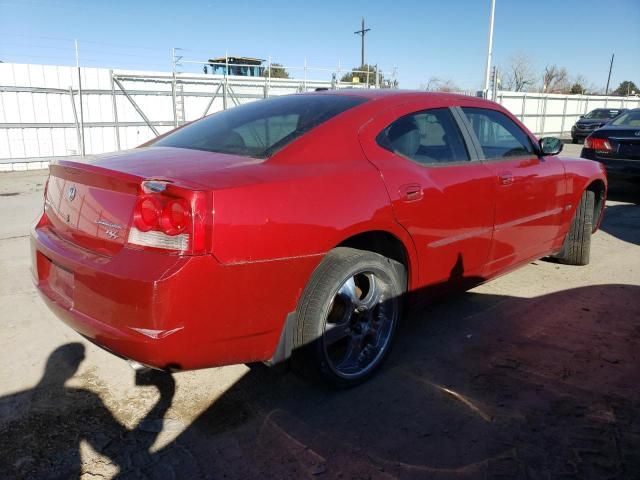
[{"x": 534, "y": 375}]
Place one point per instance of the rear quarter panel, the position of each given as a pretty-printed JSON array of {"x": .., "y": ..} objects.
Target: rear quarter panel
[
  {"x": 306, "y": 199},
  {"x": 275, "y": 221},
  {"x": 580, "y": 174}
]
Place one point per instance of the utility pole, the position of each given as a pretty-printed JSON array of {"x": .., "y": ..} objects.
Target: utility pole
[
  {"x": 606, "y": 91},
  {"x": 487, "y": 70},
  {"x": 362, "y": 32}
]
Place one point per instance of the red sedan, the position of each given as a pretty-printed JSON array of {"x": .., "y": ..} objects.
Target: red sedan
[{"x": 301, "y": 225}]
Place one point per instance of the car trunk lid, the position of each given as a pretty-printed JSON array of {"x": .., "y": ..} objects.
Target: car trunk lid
[
  {"x": 91, "y": 203},
  {"x": 90, "y": 206},
  {"x": 625, "y": 143}
]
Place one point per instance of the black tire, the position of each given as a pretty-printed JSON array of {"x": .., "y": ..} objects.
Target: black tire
[
  {"x": 359, "y": 294},
  {"x": 577, "y": 244}
]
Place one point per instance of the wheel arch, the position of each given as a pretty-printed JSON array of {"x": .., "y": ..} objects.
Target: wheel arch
[
  {"x": 599, "y": 189},
  {"x": 386, "y": 244},
  {"x": 398, "y": 247}
]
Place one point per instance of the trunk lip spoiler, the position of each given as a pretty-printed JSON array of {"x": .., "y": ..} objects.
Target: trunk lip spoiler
[{"x": 117, "y": 180}]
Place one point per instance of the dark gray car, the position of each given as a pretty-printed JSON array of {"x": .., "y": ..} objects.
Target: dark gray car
[{"x": 592, "y": 121}]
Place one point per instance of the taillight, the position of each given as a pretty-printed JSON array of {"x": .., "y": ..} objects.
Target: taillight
[
  {"x": 599, "y": 144},
  {"x": 175, "y": 217},
  {"x": 170, "y": 218},
  {"x": 147, "y": 213}
]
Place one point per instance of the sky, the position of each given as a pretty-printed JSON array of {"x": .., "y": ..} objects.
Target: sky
[{"x": 422, "y": 39}]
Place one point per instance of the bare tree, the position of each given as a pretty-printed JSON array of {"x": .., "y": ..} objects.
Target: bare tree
[
  {"x": 436, "y": 84},
  {"x": 518, "y": 76},
  {"x": 578, "y": 85},
  {"x": 555, "y": 79},
  {"x": 581, "y": 86}
]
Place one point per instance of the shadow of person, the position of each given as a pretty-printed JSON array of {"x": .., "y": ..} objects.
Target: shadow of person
[
  {"x": 133, "y": 455},
  {"x": 41, "y": 428}
]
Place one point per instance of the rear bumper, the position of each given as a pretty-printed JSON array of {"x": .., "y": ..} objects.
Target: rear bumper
[
  {"x": 167, "y": 311},
  {"x": 617, "y": 168}
]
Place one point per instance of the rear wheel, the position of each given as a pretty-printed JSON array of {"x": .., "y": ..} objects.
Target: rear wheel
[
  {"x": 347, "y": 316},
  {"x": 577, "y": 244}
]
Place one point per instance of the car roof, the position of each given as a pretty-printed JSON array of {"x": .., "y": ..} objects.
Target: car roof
[
  {"x": 392, "y": 96},
  {"x": 608, "y": 109},
  {"x": 386, "y": 92}
]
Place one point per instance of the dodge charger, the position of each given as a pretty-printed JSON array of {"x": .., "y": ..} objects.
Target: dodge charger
[{"x": 301, "y": 227}]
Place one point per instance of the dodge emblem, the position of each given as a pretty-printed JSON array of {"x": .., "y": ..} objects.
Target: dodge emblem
[{"x": 71, "y": 193}]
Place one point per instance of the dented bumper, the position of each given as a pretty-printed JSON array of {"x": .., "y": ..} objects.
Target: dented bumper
[{"x": 168, "y": 311}]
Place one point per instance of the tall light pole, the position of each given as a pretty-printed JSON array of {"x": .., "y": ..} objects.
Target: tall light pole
[
  {"x": 82, "y": 147},
  {"x": 362, "y": 32},
  {"x": 487, "y": 70}
]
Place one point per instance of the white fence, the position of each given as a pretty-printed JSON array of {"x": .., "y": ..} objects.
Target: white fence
[
  {"x": 41, "y": 114},
  {"x": 554, "y": 114}
]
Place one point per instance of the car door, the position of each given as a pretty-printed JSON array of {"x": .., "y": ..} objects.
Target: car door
[
  {"x": 530, "y": 189},
  {"x": 439, "y": 193}
]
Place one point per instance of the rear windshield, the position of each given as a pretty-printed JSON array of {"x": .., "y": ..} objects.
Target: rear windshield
[
  {"x": 261, "y": 128},
  {"x": 602, "y": 114},
  {"x": 629, "y": 119}
]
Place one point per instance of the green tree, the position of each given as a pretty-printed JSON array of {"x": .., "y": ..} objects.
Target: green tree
[
  {"x": 361, "y": 73},
  {"x": 276, "y": 71},
  {"x": 577, "y": 89},
  {"x": 626, "y": 88}
]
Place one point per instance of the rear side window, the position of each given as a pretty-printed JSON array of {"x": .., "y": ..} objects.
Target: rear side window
[
  {"x": 629, "y": 119},
  {"x": 429, "y": 137},
  {"x": 261, "y": 128},
  {"x": 499, "y": 136},
  {"x": 602, "y": 114}
]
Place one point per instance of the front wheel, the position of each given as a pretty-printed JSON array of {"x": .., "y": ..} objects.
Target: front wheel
[
  {"x": 347, "y": 316},
  {"x": 577, "y": 244}
]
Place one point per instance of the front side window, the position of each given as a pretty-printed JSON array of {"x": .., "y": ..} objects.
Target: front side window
[
  {"x": 428, "y": 137},
  {"x": 499, "y": 136},
  {"x": 259, "y": 129}
]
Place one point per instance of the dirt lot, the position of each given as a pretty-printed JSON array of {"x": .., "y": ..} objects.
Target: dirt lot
[{"x": 534, "y": 375}]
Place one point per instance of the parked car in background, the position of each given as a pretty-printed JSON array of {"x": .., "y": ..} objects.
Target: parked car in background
[
  {"x": 300, "y": 225},
  {"x": 593, "y": 120},
  {"x": 617, "y": 147}
]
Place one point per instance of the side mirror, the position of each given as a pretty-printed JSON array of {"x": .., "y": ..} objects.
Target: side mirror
[
  {"x": 550, "y": 145},
  {"x": 581, "y": 116}
]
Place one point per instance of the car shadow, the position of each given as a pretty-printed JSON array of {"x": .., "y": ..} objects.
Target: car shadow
[
  {"x": 623, "y": 222},
  {"x": 622, "y": 191},
  {"x": 477, "y": 386}
]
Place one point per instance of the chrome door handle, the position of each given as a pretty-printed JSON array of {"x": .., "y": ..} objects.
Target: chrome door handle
[{"x": 506, "y": 178}]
